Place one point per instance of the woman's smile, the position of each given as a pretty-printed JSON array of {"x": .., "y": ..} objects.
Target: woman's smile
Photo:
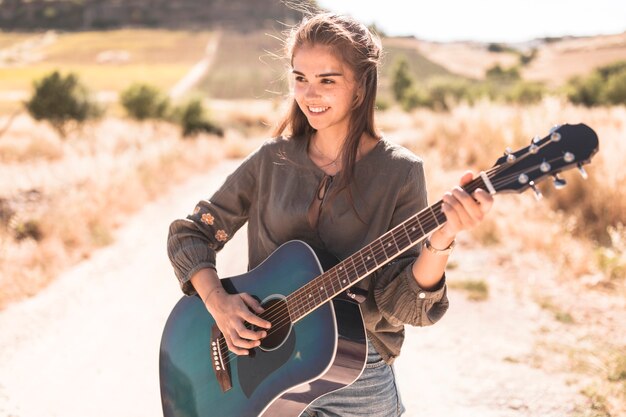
[{"x": 324, "y": 89}]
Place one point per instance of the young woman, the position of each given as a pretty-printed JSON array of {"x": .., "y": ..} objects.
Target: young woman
[{"x": 330, "y": 179}]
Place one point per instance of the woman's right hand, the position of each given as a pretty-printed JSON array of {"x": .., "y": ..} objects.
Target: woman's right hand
[{"x": 231, "y": 312}]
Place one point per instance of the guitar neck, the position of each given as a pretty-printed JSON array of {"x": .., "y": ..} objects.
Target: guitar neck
[{"x": 370, "y": 258}]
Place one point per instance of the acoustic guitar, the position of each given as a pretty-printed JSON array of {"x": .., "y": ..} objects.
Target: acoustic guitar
[{"x": 317, "y": 343}]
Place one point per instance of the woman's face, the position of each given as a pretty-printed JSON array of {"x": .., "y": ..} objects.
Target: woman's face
[{"x": 324, "y": 88}]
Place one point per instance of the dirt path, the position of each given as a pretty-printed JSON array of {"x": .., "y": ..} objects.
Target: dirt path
[
  {"x": 198, "y": 71},
  {"x": 88, "y": 345}
]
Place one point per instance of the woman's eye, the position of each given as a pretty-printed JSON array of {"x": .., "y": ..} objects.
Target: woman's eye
[
  {"x": 299, "y": 78},
  {"x": 327, "y": 81}
]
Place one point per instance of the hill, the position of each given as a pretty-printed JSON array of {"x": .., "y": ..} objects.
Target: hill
[
  {"x": 246, "y": 64},
  {"x": 555, "y": 61},
  {"x": 105, "y": 14}
]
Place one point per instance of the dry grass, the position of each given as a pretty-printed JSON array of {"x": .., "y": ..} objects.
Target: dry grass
[
  {"x": 105, "y": 61},
  {"x": 65, "y": 200},
  {"x": 571, "y": 243},
  {"x": 62, "y": 199}
]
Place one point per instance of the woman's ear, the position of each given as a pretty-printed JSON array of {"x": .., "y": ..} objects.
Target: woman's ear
[{"x": 359, "y": 95}]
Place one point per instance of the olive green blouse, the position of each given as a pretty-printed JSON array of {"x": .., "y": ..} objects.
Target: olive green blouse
[{"x": 273, "y": 190}]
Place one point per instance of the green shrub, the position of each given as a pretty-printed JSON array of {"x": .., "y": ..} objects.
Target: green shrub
[
  {"x": 382, "y": 104},
  {"x": 415, "y": 97},
  {"x": 526, "y": 93},
  {"x": 401, "y": 79},
  {"x": 526, "y": 58},
  {"x": 59, "y": 100},
  {"x": 444, "y": 92},
  {"x": 615, "y": 92},
  {"x": 193, "y": 119},
  {"x": 499, "y": 74},
  {"x": 143, "y": 101},
  {"x": 586, "y": 91},
  {"x": 497, "y": 47},
  {"x": 605, "y": 85}
]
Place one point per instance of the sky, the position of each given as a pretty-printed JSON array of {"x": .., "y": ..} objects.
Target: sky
[{"x": 487, "y": 20}]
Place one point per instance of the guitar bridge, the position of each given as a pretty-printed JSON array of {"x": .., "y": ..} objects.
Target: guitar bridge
[{"x": 220, "y": 363}]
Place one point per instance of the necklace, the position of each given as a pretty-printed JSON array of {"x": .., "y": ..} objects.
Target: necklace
[{"x": 319, "y": 151}]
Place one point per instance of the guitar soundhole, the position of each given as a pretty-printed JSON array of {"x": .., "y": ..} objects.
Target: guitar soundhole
[{"x": 276, "y": 313}]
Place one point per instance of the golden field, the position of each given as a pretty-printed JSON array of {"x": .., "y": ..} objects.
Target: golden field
[{"x": 62, "y": 199}]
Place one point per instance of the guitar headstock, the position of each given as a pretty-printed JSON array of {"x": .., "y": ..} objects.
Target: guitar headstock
[{"x": 566, "y": 147}]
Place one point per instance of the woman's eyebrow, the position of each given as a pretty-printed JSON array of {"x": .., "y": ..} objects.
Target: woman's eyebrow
[{"x": 326, "y": 74}]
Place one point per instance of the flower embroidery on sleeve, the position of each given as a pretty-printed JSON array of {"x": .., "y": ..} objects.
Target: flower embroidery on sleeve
[
  {"x": 221, "y": 236},
  {"x": 208, "y": 219}
]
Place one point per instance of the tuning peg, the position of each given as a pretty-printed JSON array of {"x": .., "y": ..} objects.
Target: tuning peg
[
  {"x": 509, "y": 155},
  {"x": 554, "y": 128},
  {"x": 538, "y": 195},
  {"x": 582, "y": 171},
  {"x": 559, "y": 182}
]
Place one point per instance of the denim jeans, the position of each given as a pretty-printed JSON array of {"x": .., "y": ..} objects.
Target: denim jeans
[{"x": 374, "y": 394}]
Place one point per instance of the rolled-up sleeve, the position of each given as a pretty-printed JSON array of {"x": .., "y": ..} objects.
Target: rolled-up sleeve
[
  {"x": 193, "y": 242},
  {"x": 396, "y": 293}
]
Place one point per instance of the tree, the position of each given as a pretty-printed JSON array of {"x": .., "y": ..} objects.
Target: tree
[
  {"x": 401, "y": 79},
  {"x": 60, "y": 99},
  {"x": 143, "y": 101}
]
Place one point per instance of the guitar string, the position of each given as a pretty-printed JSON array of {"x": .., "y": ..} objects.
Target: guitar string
[
  {"x": 333, "y": 274},
  {"x": 377, "y": 250},
  {"x": 286, "y": 319},
  {"x": 306, "y": 289},
  {"x": 283, "y": 320},
  {"x": 314, "y": 283}
]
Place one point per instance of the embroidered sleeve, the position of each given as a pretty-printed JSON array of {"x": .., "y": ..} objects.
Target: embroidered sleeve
[{"x": 193, "y": 242}]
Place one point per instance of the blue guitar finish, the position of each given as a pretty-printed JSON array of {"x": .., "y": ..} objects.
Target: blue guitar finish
[{"x": 324, "y": 351}]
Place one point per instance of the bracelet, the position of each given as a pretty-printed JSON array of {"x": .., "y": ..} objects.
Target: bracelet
[
  {"x": 210, "y": 292},
  {"x": 436, "y": 251}
]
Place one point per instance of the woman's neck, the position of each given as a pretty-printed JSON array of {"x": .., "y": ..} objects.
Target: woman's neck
[
  {"x": 325, "y": 151},
  {"x": 327, "y": 146}
]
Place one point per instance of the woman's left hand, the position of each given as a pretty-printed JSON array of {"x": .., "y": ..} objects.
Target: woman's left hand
[{"x": 464, "y": 211}]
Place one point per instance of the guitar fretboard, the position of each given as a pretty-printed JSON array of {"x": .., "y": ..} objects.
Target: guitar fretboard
[{"x": 370, "y": 258}]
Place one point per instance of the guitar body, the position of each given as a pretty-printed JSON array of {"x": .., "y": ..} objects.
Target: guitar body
[
  {"x": 322, "y": 352},
  {"x": 317, "y": 342}
]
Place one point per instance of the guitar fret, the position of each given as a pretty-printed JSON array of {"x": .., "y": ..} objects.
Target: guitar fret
[
  {"x": 395, "y": 237},
  {"x": 345, "y": 278},
  {"x": 321, "y": 287},
  {"x": 332, "y": 281},
  {"x": 387, "y": 245},
  {"x": 360, "y": 264},
  {"x": 378, "y": 252},
  {"x": 369, "y": 259},
  {"x": 406, "y": 239},
  {"x": 434, "y": 215},
  {"x": 350, "y": 262},
  {"x": 417, "y": 219},
  {"x": 413, "y": 231}
]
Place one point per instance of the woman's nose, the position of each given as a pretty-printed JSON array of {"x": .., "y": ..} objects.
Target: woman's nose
[{"x": 311, "y": 91}]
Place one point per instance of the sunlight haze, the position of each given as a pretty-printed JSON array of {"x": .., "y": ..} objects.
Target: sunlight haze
[{"x": 487, "y": 20}]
